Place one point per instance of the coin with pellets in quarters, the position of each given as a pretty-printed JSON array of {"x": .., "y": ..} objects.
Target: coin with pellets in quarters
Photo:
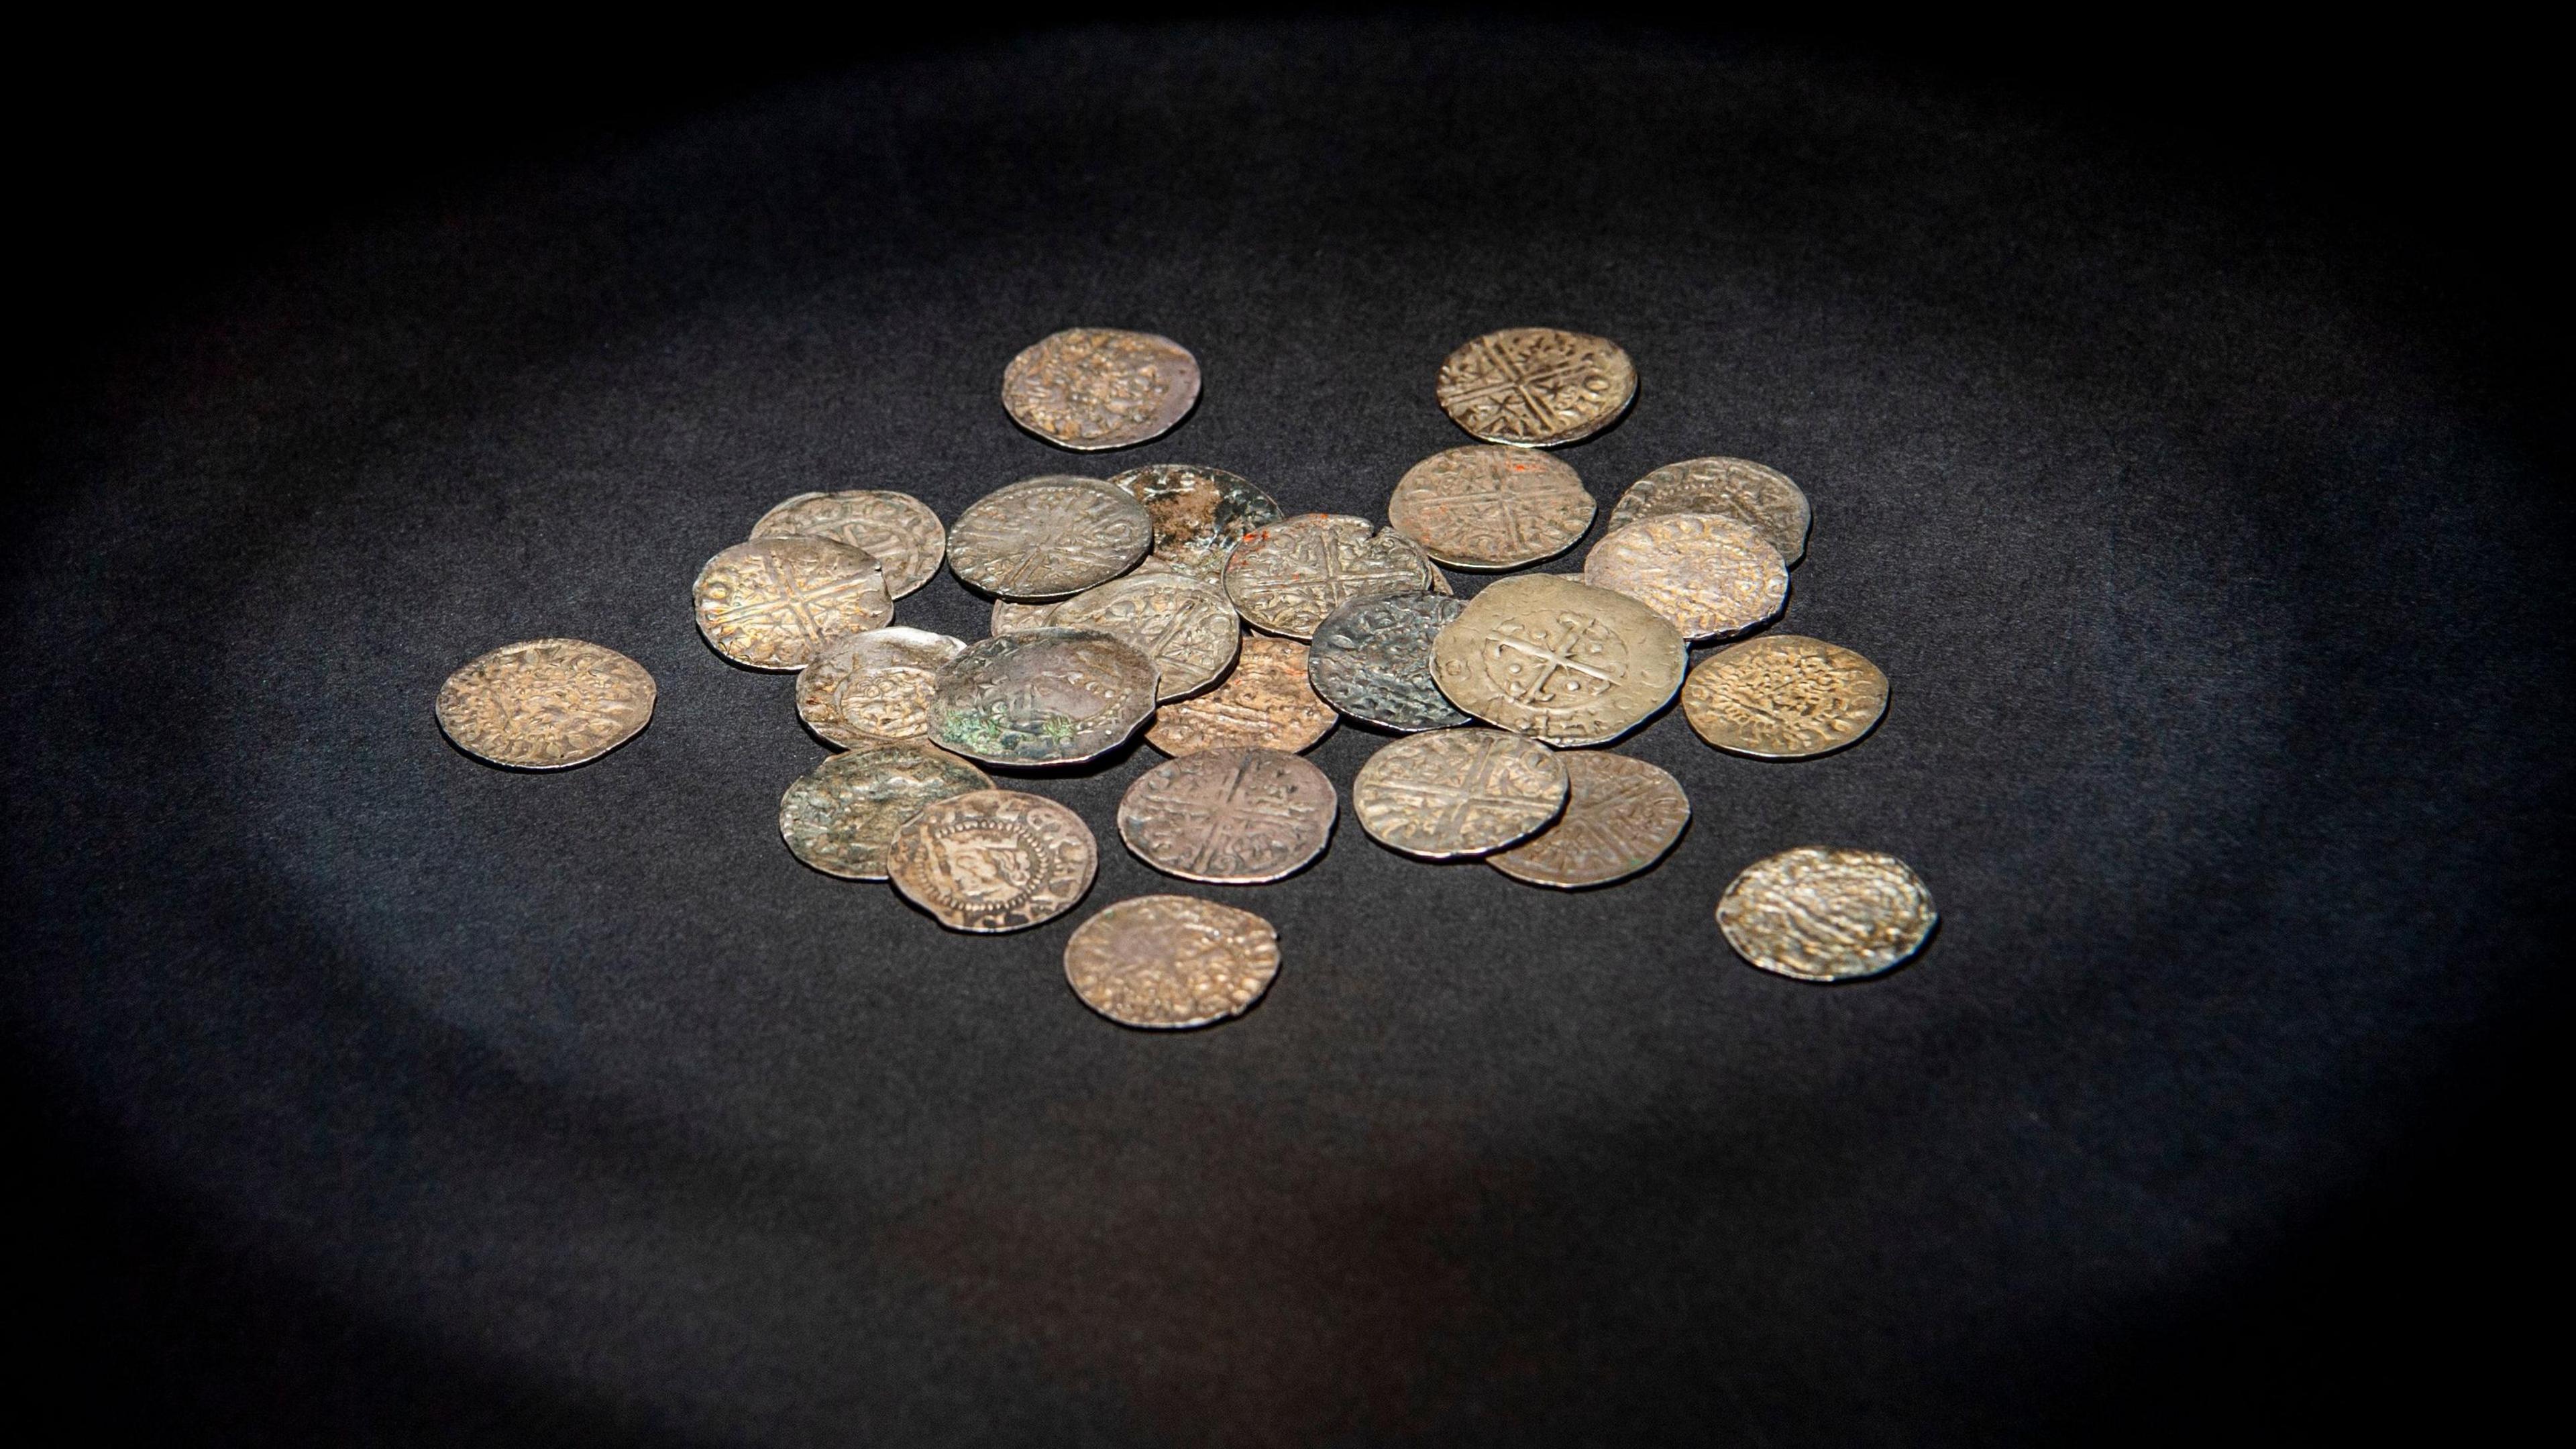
[
  {"x": 993, "y": 860},
  {"x": 874, "y": 685},
  {"x": 1559, "y": 660},
  {"x": 1170, "y": 962},
  {"x": 1712, "y": 577},
  {"x": 1821, "y": 913},
  {"x": 1458, "y": 792},
  {"x": 840, "y": 816},
  {"x": 896, "y": 529},
  {"x": 1229, "y": 816},
  {"x": 1371, "y": 659},
  {"x": 772, "y": 603},
  {"x": 546, "y": 704},
  {"x": 1285, "y": 578},
  {"x": 1267, "y": 701},
  {"x": 1621, "y": 816},
  {"x": 1048, "y": 538},
  {"x": 1491, "y": 507},
  {"x": 1090, "y": 388},
  {"x": 1186, "y": 627},
  {"x": 1747, "y": 492},
  {"x": 1199, "y": 513},
  {"x": 1536, "y": 387},
  {"x": 1041, "y": 697},
  {"x": 1784, "y": 697}
]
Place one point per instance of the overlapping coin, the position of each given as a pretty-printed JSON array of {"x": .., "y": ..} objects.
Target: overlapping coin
[
  {"x": 1621, "y": 816},
  {"x": 1818, "y": 913},
  {"x": 896, "y": 529},
  {"x": 1784, "y": 697},
  {"x": 1187, "y": 628},
  {"x": 1041, "y": 697},
  {"x": 1199, "y": 514},
  {"x": 1371, "y": 659},
  {"x": 773, "y": 602},
  {"x": 1729, "y": 488},
  {"x": 546, "y": 704},
  {"x": 840, "y": 816},
  {"x": 993, "y": 860},
  {"x": 1089, "y": 388},
  {"x": 1712, "y": 577},
  {"x": 1169, "y": 962},
  {"x": 1267, "y": 702},
  {"x": 873, "y": 686},
  {"x": 1285, "y": 578},
  {"x": 1491, "y": 507},
  {"x": 1460, "y": 792},
  {"x": 1048, "y": 538},
  {"x": 1231, "y": 816},
  {"x": 1536, "y": 387},
  {"x": 1559, "y": 660}
]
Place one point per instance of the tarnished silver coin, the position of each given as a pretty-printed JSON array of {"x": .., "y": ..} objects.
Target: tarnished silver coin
[
  {"x": 1230, "y": 816},
  {"x": 1621, "y": 816},
  {"x": 993, "y": 860},
  {"x": 840, "y": 816},
  {"x": 1491, "y": 507},
  {"x": 1371, "y": 659},
  {"x": 1559, "y": 660},
  {"x": 1041, "y": 697},
  {"x": 1458, "y": 792},
  {"x": 1169, "y": 962},
  {"x": 773, "y": 602},
  {"x": 896, "y": 529},
  {"x": 1266, "y": 702},
  {"x": 1186, "y": 627},
  {"x": 1537, "y": 387},
  {"x": 1729, "y": 488},
  {"x": 1200, "y": 514},
  {"x": 873, "y": 686},
  {"x": 547, "y": 704},
  {"x": 1011, "y": 618},
  {"x": 1819, "y": 913},
  {"x": 1048, "y": 538},
  {"x": 1089, "y": 388},
  {"x": 1784, "y": 697},
  {"x": 1285, "y": 578},
  {"x": 1712, "y": 577}
]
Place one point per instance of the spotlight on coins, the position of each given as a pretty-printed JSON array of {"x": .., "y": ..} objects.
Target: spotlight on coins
[
  {"x": 1200, "y": 514},
  {"x": 1711, "y": 576},
  {"x": 1048, "y": 538},
  {"x": 1460, "y": 792},
  {"x": 896, "y": 529},
  {"x": 993, "y": 860},
  {"x": 547, "y": 704},
  {"x": 1287, "y": 577},
  {"x": 1230, "y": 816},
  {"x": 873, "y": 686},
  {"x": 840, "y": 816},
  {"x": 1266, "y": 702},
  {"x": 1762, "y": 498},
  {"x": 1621, "y": 816},
  {"x": 1559, "y": 660},
  {"x": 1491, "y": 507},
  {"x": 771, "y": 603},
  {"x": 1041, "y": 697},
  {"x": 1090, "y": 388},
  {"x": 1784, "y": 697},
  {"x": 1371, "y": 660},
  {"x": 1169, "y": 962},
  {"x": 1187, "y": 628},
  {"x": 1822, "y": 914},
  {"x": 1536, "y": 387}
]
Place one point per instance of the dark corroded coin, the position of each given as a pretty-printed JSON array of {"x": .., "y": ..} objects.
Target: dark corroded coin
[
  {"x": 873, "y": 686},
  {"x": 896, "y": 529},
  {"x": 1186, "y": 627},
  {"x": 1200, "y": 514},
  {"x": 1230, "y": 816},
  {"x": 547, "y": 704},
  {"x": 1267, "y": 701},
  {"x": 1558, "y": 660},
  {"x": 1537, "y": 387},
  {"x": 1041, "y": 697},
  {"x": 840, "y": 816},
  {"x": 1089, "y": 388},
  {"x": 1621, "y": 816},
  {"x": 1170, "y": 962},
  {"x": 1285, "y": 578},
  {"x": 1728, "y": 487},
  {"x": 993, "y": 860},
  {"x": 1711, "y": 576},
  {"x": 1458, "y": 792},
  {"x": 1784, "y": 697},
  {"x": 1047, "y": 538},
  {"x": 1491, "y": 507},
  {"x": 1371, "y": 660},
  {"x": 1824, "y": 914},
  {"x": 773, "y": 602}
]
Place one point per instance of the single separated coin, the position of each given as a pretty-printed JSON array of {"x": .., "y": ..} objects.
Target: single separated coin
[
  {"x": 1710, "y": 576},
  {"x": 547, "y": 704},
  {"x": 873, "y": 686},
  {"x": 1266, "y": 702},
  {"x": 1168, "y": 962},
  {"x": 1285, "y": 578},
  {"x": 1089, "y": 388},
  {"x": 1823, "y": 914},
  {"x": 1199, "y": 514},
  {"x": 1458, "y": 792},
  {"x": 993, "y": 860},
  {"x": 1784, "y": 697},
  {"x": 1559, "y": 660},
  {"x": 1186, "y": 627},
  {"x": 896, "y": 529},
  {"x": 840, "y": 816},
  {"x": 1491, "y": 507},
  {"x": 1371, "y": 660},
  {"x": 1621, "y": 816},
  {"x": 1536, "y": 387},
  {"x": 1048, "y": 538},
  {"x": 773, "y": 602},
  {"x": 1041, "y": 697},
  {"x": 1728, "y": 487},
  {"x": 1229, "y": 817}
]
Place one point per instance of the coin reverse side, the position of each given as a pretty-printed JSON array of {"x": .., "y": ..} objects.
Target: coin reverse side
[
  {"x": 1784, "y": 697},
  {"x": 1048, "y": 538},
  {"x": 1621, "y": 816},
  {"x": 993, "y": 860},
  {"x": 1187, "y": 628},
  {"x": 1458, "y": 792},
  {"x": 1818, "y": 913},
  {"x": 1491, "y": 507},
  {"x": 1371, "y": 660},
  {"x": 547, "y": 704},
  {"x": 1170, "y": 962},
  {"x": 771, "y": 603},
  {"x": 873, "y": 686},
  {"x": 1200, "y": 514},
  {"x": 896, "y": 529},
  {"x": 1536, "y": 387},
  {"x": 1090, "y": 388},
  {"x": 1267, "y": 701},
  {"x": 840, "y": 816},
  {"x": 1285, "y": 578},
  {"x": 1712, "y": 577},
  {"x": 1747, "y": 492},
  {"x": 1229, "y": 816},
  {"x": 1559, "y": 660},
  {"x": 1041, "y": 697}
]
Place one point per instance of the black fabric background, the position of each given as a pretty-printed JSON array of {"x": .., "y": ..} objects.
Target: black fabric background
[{"x": 2194, "y": 496}]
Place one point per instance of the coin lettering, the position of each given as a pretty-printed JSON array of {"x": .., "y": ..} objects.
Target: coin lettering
[
  {"x": 1536, "y": 386},
  {"x": 1491, "y": 507},
  {"x": 1285, "y": 578},
  {"x": 993, "y": 860},
  {"x": 1784, "y": 697},
  {"x": 773, "y": 602}
]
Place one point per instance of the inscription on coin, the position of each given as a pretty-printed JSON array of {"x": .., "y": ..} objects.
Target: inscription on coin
[
  {"x": 1199, "y": 514},
  {"x": 547, "y": 704},
  {"x": 873, "y": 686},
  {"x": 1011, "y": 618},
  {"x": 1041, "y": 697},
  {"x": 771, "y": 603},
  {"x": 1621, "y": 816},
  {"x": 1784, "y": 697},
  {"x": 1826, "y": 914},
  {"x": 1089, "y": 388},
  {"x": 1230, "y": 816},
  {"x": 1267, "y": 701},
  {"x": 1458, "y": 792},
  {"x": 1559, "y": 660},
  {"x": 840, "y": 816},
  {"x": 1047, "y": 538},
  {"x": 1712, "y": 577},
  {"x": 1186, "y": 627},
  {"x": 1285, "y": 578},
  {"x": 1168, "y": 962},
  {"x": 896, "y": 529},
  {"x": 993, "y": 860},
  {"x": 1536, "y": 386},
  {"x": 1747, "y": 492},
  {"x": 1491, "y": 507},
  {"x": 1371, "y": 660}
]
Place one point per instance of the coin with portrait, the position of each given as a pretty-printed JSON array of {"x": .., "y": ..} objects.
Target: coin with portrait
[{"x": 993, "y": 860}]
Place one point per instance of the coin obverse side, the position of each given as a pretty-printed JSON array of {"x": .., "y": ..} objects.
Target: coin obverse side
[
  {"x": 1199, "y": 514},
  {"x": 1491, "y": 507},
  {"x": 1536, "y": 387},
  {"x": 1621, "y": 816},
  {"x": 1559, "y": 660},
  {"x": 1229, "y": 817},
  {"x": 1747, "y": 492},
  {"x": 1712, "y": 577},
  {"x": 1285, "y": 578},
  {"x": 546, "y": 704},
  {"x": 1371, "y": 659},
  {"x": 1187, "y": 628},
  {"x": 1818, "y": 913},
  {"x": 773, "y": 602},
  {"x": 873, "y": 686},
  {"x": 896, "y": 529},
  {"x": 1090, "y": 388},
  {"x": 1041, "y": 697},
  {"x": 1164, "y": 963},
  {"x": 1047, "y": 538},
  {"x": 1784, "y": 697},
  {"x": 1458, "y": 792},
  {"x": 840, "y": 816},
  {"x": 1266, "y": 702},
  {"x": 993, "y": 860}
]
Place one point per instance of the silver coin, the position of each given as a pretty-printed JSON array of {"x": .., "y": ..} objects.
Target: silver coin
[
  {"x": 1621, "y": 816},
  {"x": 840, "y": 816},
  {"x": 1712, "y": 577},
  {"x": 1012, "y": 618},
  {"x": 1048, "y": 538},
  {"x": 896, "y": 529},
  {"x": 873, "y": 686},
  {"x": 1458, "y": 792},
  {"x": 1784, "y": 697},
  {"x": 1186, "y": 627},
  {"x": 1229, "y": 816},
  {"x": 773, "y": 602},
  {"x": 1267, "y": 701},
  {"x": 1200, "y": 514},
  {"x": 547, "y": 704},
  {"x": 1041, "y": 697},
  {"x": 1167, "y": 963},
  {"x": 1491, "y": 507},
  {"x": 1371, "y": 659},
  {"x": 1089, "y": 388},
  {"x": 1559, "y": 660},
  {"x": 1728, "y": 487},
  {"x": 993, "y": 860},
  {"x": 1818, "y": 913},
  {"x": 1537, "y": 387},
  {"x": 1285, "y": 578}
]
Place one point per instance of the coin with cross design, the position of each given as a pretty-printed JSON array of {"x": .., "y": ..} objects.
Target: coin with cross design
[
  {"x": 1558, "y": 660},
  {"x": 1287, "y": 577},
  {"x": 1200, "y": 513},
  {"x": 1187, "y": 628},
  {"x": 1048, "y": 538},
  {"x": 1461, "y": 792},
  {"x": 1229, "y": 816},
  {"x": 896, "y": 529},
  {"x": 773, "y": 603},
  {"x": 1621, "y": 816},
  {"x": 1267, "y": 701},
  {"x": 1372, "y": 660},
  {"x": 1537, "y": 387},
  {"x": 1491, "y": 507},
  {"x": 1712, "y": 577}
]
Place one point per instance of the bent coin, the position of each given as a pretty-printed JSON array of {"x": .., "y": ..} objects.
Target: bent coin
[
  {"x": 993, "y": 860},
  {"x": 771, "y": 603},
  {"x": 896, "y": 529},
  {"x": 873, "y": 686},
  {"x": 1371, "y": 660},
  {"x": 1285, "y": 578},
  {"x": 1047, "y": 538},
  {"x": 1784, "y": 697},
  {"x": 1823, "y": 914},
  {"x": 1536, "y": 387},
  {"x": 1710, "y": 576},
  {"x": 1186, "y": 627},
  {"x": 1230, "y": 816},
  {"x": 1458, "y": 792},
  {"x": 1199, "y": 514},
  {"x": 1559, "y": 660},
  {"x": 1747, "y": 492},
  {"x": 1041, "y": 697},
  {"x": 840, "y": 816},
  {"x": 1491, "y": 507},
  {"x": 1169, "y": 962},
  {"x": 1621, "y": 816},
  {"x": 1267, "y": 701},
  {"x": 1090, "y": 388},
  {"x": 547, "y": 704}
]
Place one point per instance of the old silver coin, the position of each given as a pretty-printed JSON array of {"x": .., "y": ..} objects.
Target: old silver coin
[
  {"x": 993, "y": 860},
  {"x": 1041, "y": 697},
  {"x": 547, "y": 704},
  {"x": 873, "y": 686},
  {"x": 1824, "y": 914},
  {"x": 1712, "y": 577},
  {"x": 1231, "y": 816},
  {"x": 1199, "y": 514},
  {"x": 1186, "y": 627},
  {"x": 1784, "y": 697},
  {"x": 1048, "y": 538},
  {"x": 840, "y": 816},
  {"x": 1285, "y": 578},
  {"x": 1728, "y": 487},
  {"x": 1559, "y": 660},
  {"x": 1012, "y": 618},
  {"x": 1536, "y": 387},
  {"x": 1491, "y": 507},
  {"x": 1371, "y": 659},
  {"x": 1621, "y": 816},
  {"x": 896, "y": 529},
  {"x": 772, "y": 603},
  {"x": 1266, "y": 702},
  {"x": 1170, "y": 962},
  {"x": 1458, "y": 792},
  {"x": 1089, "y": 388}
]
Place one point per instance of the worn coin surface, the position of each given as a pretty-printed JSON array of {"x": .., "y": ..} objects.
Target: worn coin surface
[
  {"x": 1285, "y": 578},
  {"x": 1537, "y": 387},
  {"x": 1621, "y": 816},
  {"x": 840, "y": 816},
  {"x": 1491, "y": 507},
  {"x": 1167, "y": 962},
  {"x": 1089, "y": 388},
  {"x": 896, "y": 529},
  {"x": 1187, "y": 628},
  {"x": 1048, "y": 538},
  {"x": 1784, "y": 697},
  {"x": 1011, "y": 618},
  {"x": 1559, "y": 660},
  {"x": 1458, "y": 792},
  {"x": 993, "y": 860},
  {"x": 1199, "y": 514},
  {"x": 1232, "y": 816},
  {"x": 771, "y": 603},
  {"x": 1041, "y": 697},
  {"x": 547, "y": 704},
  {"x": 1267, "y": 701},
  {"x": 1710, "y": 576},
  {"x": 1825, "y": 914},
  {"x": 1728, "y": 487},
  {"x": 873, "y": 686},
  {"x": 1371, "y": 660}
]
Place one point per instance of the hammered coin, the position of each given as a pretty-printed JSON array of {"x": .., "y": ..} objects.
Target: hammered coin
[
  {"x": 993, "y": 860},
  {"x": 1267, "y": 702},
  {"x": 1491, "y": 508},
  {"x": 1747, "y": 492},
  {"x": 840, "y": 816},
  {"x": 1041, "y": 697},
  {"x": 1559, "y": 660},
  {"x": 1186, "y": 627},
  {"x": 1090, "y": 388},
  {"x": 547, "y": 704},
  {"x": 1200, "y": 514},
  {"x": 896, "y": 529},
  {"x": 1536, "y": 387},
  {"x": 1822, "y": 914},
  {"x": 1048, "y": 538},
  {"x": 1784, "y": 697},
  {"x": 1372, "y": 661},
  {"x": 1285, "y": 578},
  {"x": 1458, "y": 792},
  {"x": 1711, "y": 576},
  {"x": 1011, "y": 618},
  {"x": 1229, "y": 817},
  {"x": 873, "y": 686},
  {"x": 773, "y": 602},
  {"x": 1621, "y": 816},
  {"x": 1168, "y": 962}
]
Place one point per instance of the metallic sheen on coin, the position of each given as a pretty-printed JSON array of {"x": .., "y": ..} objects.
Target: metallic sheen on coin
[
  {"x": 1168, "y": 962},
  {"x": 993, "y": 860},
  {"x": 1047, "y": 538},
  {"x": 1458, "y": 792},
  {"x": 1621, "y": 816},
  {"x": 1285, "y": 578},
  {"x": 1011, "y": 618},
  {"x": 1536, "y": 387},
  {"x": 1710, "y": 576},
  {"x": 547, "y": 704},
  {"x": 1371, "y": 660},
  {"x": 1230, "y": 816},
  {"x": 1559, "y": 660},
  {"x": 1186, "y": 627},
  {"x": 1267, "y": 701},
  {"x": 1491, "y": 507},
  {"x": 1089, "y": 388},
  {"x": 1822, "y": 914},
  {"x": 1728, "y": 487},
  {"x": 1041, "y": 697},
  {"x": 840, "y": 816},
  {"x": 873, "y": 686},
  {"x": 1200, "y": 514},
  {"x": 771, "y": 603},
  {"x": 1784, "y": 697},
  {"x": 896, "y": 529}
]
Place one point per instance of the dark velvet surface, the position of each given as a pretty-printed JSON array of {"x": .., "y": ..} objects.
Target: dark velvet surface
[{"x": 2217, "y": 580}]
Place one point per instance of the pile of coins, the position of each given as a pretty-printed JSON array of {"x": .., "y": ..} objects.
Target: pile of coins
[{"x": 1181, "y": 602}]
